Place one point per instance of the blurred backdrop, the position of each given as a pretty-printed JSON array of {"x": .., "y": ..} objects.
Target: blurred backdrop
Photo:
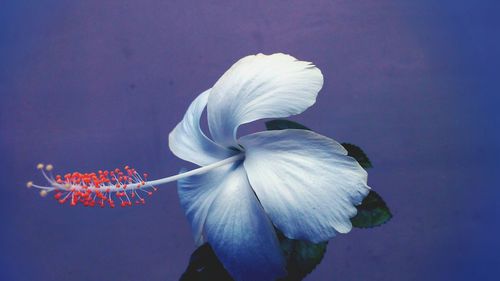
[{"x": 88, "y": 85}]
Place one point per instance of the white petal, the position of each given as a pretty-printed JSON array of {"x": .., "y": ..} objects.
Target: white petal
[
  {"x": 305, "y": 182},
  {"x": 260, "y": 86},
  {"x": 188, "y": 142},
  {"x": 196, "y": 195},
  {"x": 222, "y": 205},
  {"x": 241, "y": 234}
]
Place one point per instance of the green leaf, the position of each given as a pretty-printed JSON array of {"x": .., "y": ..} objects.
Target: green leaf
[
  {"x": 204, "y": 266},
  {"x": 372, "y": 212},
  {"x": 358, "y": 154},
  {"x": 281, "y": 124},
  {"x": 302, "y": 257}
]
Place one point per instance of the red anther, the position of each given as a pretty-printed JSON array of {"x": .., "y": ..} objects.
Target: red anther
[
  {"x": 73, "y": 203},
  {"x": 57, "y": 195},
  {"x": 62, "y": 201},
  {"x": 117, "y": 170},
  {"x": 123, "y": 204},
  {"x": 132, "y": 195},
  {"x": 149, "y": 193}
]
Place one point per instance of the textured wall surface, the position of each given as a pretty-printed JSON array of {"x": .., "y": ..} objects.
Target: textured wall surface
[{"x": 87, "y": 85}]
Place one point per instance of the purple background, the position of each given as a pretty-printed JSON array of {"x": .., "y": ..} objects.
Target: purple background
[{"x": 90, "y": 85}]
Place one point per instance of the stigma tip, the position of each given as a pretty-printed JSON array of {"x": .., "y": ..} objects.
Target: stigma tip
[
  {"x": 39, "y": 166},
  {"x": 49, "y": 167},
  {"x": 29, "y": 184}
]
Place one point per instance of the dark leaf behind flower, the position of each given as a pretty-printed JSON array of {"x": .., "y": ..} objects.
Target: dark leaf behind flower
[
  {"x": 372, "y": 212},
  {"x": 282, "y": 124},
  {"x": 204, "y": 266},
  {"x": 358, "y": 154}
]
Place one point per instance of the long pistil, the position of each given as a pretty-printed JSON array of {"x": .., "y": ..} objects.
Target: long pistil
[{"x": 91, "y": 189}]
